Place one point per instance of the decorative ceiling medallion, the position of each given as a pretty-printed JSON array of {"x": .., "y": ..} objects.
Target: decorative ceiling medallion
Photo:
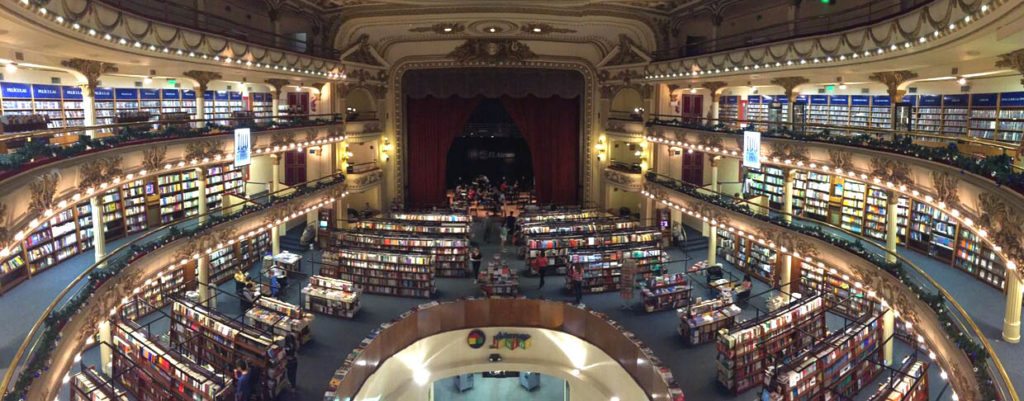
[
  {"x": 492, "y": 51},
  {"x": 491, "y": 27},
  {"x": 442, "y": 28},
  {"x": 544, "y": 29}
]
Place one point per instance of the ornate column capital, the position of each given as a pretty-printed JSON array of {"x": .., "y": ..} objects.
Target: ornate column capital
[
  {"x": 713, "y": 87},
  {"x": 892, "y": 81},
  {"x": 91, "y": 69},
  {"x": 789, "y": 84},
  {"x": 203, "y": 78},
  {"x": 277, "y": 83},
  {"x": 1014, "y": 60}
]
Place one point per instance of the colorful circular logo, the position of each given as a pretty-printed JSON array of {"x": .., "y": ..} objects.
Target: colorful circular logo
[{"x": 476, "y": 339}]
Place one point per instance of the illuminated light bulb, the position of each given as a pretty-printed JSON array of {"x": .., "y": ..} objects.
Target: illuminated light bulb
[
  {"x": 11, "y": 68},
  {"x": 962, "y": 81},
  {"x": 147, "y": 80}
]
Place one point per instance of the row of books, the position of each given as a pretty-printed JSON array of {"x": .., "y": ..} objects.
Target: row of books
[{"x": 331, "y": 296}]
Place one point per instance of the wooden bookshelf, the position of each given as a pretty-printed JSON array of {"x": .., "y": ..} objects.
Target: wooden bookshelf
[
  {"x": 743, "y": 351},
  {"x": 280, "y": 318},
  {"x": 382, "y": 273},
  {"x": 217, "y": 340},
  {"x": 666, "y": 291},
  {"x": 558, "y": 247},
  {"x": 134, "y": 198},
  {"x": 153, "y": 372},
  {"x": 451, "y": 253},
  {"x": 602, "y": 270},
  {"x": 88, "y": 385},
  {"x": 699, "y": 323},
  {"x": 580, "y": 226},
  {"x": 411, "y": 227},
  {"x": 222, "y": 180},
  {"x": 909, "y": 384},
  {"x": 431, "y": 217},
  {"x": 179, "y": 194},
  {"x": 548, "y": 216},
  {"x": 497, "y": 279},
  {"x": 54, "y": 241},
  {"x": 841, "y": 297},
  {"x": 156, "y": 293},
  {"x": 331, "y": 296},
  {"x": 749, "y": 256}
]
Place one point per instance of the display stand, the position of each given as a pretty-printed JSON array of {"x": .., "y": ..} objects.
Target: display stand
[
  {"x": 331, "y": 297},
  {"x": 152, "y": 372},
  {"x": 668, "y": 291},
  {"x": 744, "y": 351},
  {"x": 497, "y": 279},
  {"x": 280, "y": 318},
  {"x": 699, "y": 322}
]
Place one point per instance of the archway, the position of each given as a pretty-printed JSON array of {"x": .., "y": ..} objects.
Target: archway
[
  {"x": 627, "y": 103},
  {"x": 490, "y": 145},
  {"x": 359, "y": 105}
]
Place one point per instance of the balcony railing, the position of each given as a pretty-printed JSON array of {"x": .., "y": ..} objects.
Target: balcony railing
[{"x": 960, "y": 327}]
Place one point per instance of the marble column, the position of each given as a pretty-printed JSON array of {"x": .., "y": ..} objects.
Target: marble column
[
  {"x": 1011, "y": 322},
  {"x": 892, "y": 230},
  {"x": 106, "y": 347},
  {"x": 201, "y": 188},
  {"x": 888, "y": 329},
  {"x": 99, "y": 236},
  {"x": 787, "y": 195},
  {"x": 786, "y": 275},
  {"x": 203, "y": 276},
  {"x": 712, "y": 245}
]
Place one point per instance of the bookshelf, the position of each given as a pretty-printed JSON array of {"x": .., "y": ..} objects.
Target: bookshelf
[
  {"x": 498, "y": 280},
  {"x": 839, "y": 110},
  {"x": 151, "y": 371},
  {"x": 852, "y": 218},
  {"x": 978, "y": 260},
  {"x": 88, "y": 385},
  {"x": 149, "y": 102},
  {"x": 158, "y": 292},
  {"x": 208, "y": 105},
  {"x": 558, "y": 247},
  {"x": 743, "y": 351},
  {"x": 757, "y": 110},
  {"x": 221, "y": 180},
  {"x": 817, "y": 110},
  {"x": 262, "y": 105},
  {"x": 602, "y": 270},
  {"x": 729, "y": 111},
  {"x": 875, "y": 214},
  {"x": 748, "y": 256},
  {"x": 591, "y": 225},
  {"x": 984, "y": 115},
  {"x": 881, "y": 116},
  {"x": 954, "y": 114},
  {"x": 451, "y": 254},
  {"x": 235, "y": 102},
  {"x": 700, "y": 322},
  {"x": 840, "y": 296},
  {"x": 382, "y": 273},
  {"x": 55, "y": 240},
  {"x": 547, "y": 216},
  {"x": 382, "y": 225},
  {"x": 12, "y": 269},
  {"x": 178, "y": 195},
  {"x": 331, "y": 297},
  {"x": 126, "y": 100},
  {"x": 432, "y": 217},
  {"x": 188, "y": 102},
  {"x": 817, "y": 195},
  {"x": 929, "y": 113},
  {"x": 280, "y": 318},
  {"x": 841, "y": 364},
  {"x": 221, "y": 107},
  {"x": 931, "y": 231},
  {"x": 104, "y": 107},
  {"x": 47, "y": 101},
  {"x": 218, "y": 341},
  {"x": 666, "y": 291},
  {"x": 909, "y": 384},
  {"x": 1011, "y": 117},
  {"x": 170, "y": 101},
  {"x": 134, "y": 205}
]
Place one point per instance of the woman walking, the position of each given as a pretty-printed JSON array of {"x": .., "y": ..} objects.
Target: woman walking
[{"x": 476, "y": 257}]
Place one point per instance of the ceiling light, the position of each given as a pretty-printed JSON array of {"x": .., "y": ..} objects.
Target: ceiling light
[
  {"x": 842, "y": 86},
  {"x": 537, "y": 30},
  {"x": 492, "y": 29},
  {"x": 11, "y": 68},
  {"x": 962, "y": 81},
  {"x": 693, "y": 90},
  {"x": 147, "y": 80},
  {"x": 447, "y": 29}
]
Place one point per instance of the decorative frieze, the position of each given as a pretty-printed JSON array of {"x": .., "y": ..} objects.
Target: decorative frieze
[
  {"x": 203, "y": 149},
  {"x": 153, "y": 157},
  {"x": 96, "y": 171},
  {"x": 840, "y": 159},
  {"x": 890, "y": 170},
  {"x": 492, "y": 51},
  {"x": 43, "y": 189},
  {"x": 787, "y": 151},
  {"x": 1004, "y": 226},
  {"x": 946, "y": 187}
]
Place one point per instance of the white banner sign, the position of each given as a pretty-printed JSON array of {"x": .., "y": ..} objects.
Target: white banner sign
[
  {"x": 752, "y": 149},
  {"x": 242, "y": 150}
]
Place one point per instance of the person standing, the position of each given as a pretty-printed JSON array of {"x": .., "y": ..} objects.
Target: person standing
[
  {"x": 476, "y": 257},
  {"x": 576, "y": 275},
  {"x": 241, "y": 279},
  {"x": 243, "y": 381},
  {"x": 504, "y": 237},
  {"x": 248, "y": 296},
  {"x": 291, "y": 352},
  {"x": 541, "y": 264}
]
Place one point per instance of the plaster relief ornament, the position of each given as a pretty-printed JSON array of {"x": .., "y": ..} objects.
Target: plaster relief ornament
[
  {"x": 200, "y": 150},
  {"x": 1005, "y": 226},
  {"x": 153, "y": 157},
  {"x": 44, "y": 188},
  {"x": 890, "y": 170},
  {"x": 784, "y": 151},
  {"x": 841, "y": 159},
  {"x": 492, "y": 51},
  {"x": 946, "y": 186},
  {"x": 94, "y": 172}
]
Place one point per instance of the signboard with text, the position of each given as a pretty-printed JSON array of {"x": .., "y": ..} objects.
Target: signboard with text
[
  {"x": 752, "y": 149},
  {"x": 242, "y": 140}
]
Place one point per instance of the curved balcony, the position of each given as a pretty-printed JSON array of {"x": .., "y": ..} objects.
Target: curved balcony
[
  {"x": 72, "y": 316},
  {"x": 929, "y": 312}
]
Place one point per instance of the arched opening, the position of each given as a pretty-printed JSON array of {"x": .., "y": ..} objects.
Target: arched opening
[
  {"x": 360, "y": 106},
  {"x": 490, "y": 145},
  {"x": 628, "y": 103}
]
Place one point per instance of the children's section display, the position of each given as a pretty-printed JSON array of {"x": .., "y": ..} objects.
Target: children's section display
[
  {"x": 330, "y": 296},
  {"x": 219, "y": 341},
  {"x": 498, "y": 279},
  {"x": 666, "y": 291},
  {"x": 280, "y": 318},
  {"x": 835, "y": 367},
  {"x": 744, "y": 352},
  {"x": 88, "y": 385},
  {"x": 556, "y": 248},
  {"x": 451, "y": 253},
  {"x": 602, "y": 270},
  {"x": 700, "y": 322},
  {"x": 377, "y": 272},
  {"x": 151, "y": 371},
  {"x": 910, "y": 383}
]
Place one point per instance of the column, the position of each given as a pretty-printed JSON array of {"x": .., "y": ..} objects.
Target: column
[
  {"x": 892, "y": 231},
  {"x": 786, "y": 275},
  {"x": 1011, "y": 322},
  {"x": 275, "y": 173},
  {"x": 888, "y": 329},
  {"x": 274, "y": 101},
  {"x": 340, "y": 213},
  {"x": 201, "y": 187},
  {"x": 713, "y": 245},
  {"x": 89, "y": 108},
  {"x": 99, "y": 240},
  {"x": 106, "y": 348},
  {"x": 203, "y": 276},
  {"x": 275, "y": 241},
  {"x": 787, "y": 196},
  {"x": 714, "y": 173},
  {"x": 200, "y": 105}
]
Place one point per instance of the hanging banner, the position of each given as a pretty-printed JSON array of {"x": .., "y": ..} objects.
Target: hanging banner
[
  {"x": 752, "y": 149},
  {"x": 242, "y": 156}
]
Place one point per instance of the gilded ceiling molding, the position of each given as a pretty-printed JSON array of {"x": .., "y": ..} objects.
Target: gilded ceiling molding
[
  {"x": 202, "y": 78},
  {"x": 711, "y": 140},
  {"x": 441, "y": 28},
  {"x": 889, "y": 170},
  {"x": 788, "y": 241},
  {"x": 44, "y": 188},
  {"x": 153, "y": 157},
  {"x": 543, "y": 29},
  {"x": 1005, "y": 226},
  {"x": 1014, "y": 60},
  {"x": 361, "y": 52},
  {"x": 946, "y": 187},
  {"x": 789, "y": 84},
  {"x": 282, "y": 138},
  {"x": 626, "y": 53},
  {"x": 96, "y": 171},
  {"x": 277, "y": 84},
  {"x": 203, "y": 149},
  {"x": 892, "y": 81},
  {"x": 786, "y": 151},
  {"x": 92, "y": 70},
  {"x": 491, "y": 51},
  {"x": 713, "y": 87},
  {"x": 841, "y": 159}
]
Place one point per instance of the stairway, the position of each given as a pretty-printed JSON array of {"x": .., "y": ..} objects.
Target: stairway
[{"x": 292, "y": 241}]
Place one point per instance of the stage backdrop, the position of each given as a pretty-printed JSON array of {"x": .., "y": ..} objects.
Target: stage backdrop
[{"x": 439, "y": 102}]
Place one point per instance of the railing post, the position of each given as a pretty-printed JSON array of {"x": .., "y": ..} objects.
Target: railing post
[{"x": 1011, "y": 321}]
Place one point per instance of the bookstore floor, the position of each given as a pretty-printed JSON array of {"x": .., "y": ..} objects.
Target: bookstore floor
[{"x": 693, "y": 367}]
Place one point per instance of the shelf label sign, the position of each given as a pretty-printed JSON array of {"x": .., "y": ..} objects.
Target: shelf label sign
[
  {"x": 242, "y": 155},
  {"x": 752, "y": 149},
  {"x": 13, "y": 90},
  {"x": 45, "y": 91}
]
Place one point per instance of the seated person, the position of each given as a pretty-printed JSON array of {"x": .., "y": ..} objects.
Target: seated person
[{"x": 743, "y": 292}]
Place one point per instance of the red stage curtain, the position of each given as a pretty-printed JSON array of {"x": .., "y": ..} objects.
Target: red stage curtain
[
  {"x": 433, "y": 124},
  {"x": 551, "y": 126}
]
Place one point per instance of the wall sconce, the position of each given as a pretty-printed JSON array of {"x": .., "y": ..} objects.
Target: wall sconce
[
  {"x": 602, "y": 148},
  {"x": 385, "y": 150}
]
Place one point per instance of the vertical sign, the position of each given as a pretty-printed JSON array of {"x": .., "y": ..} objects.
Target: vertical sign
[
  {"x": 242, "y": 155},
  {"x": 752, "y": 149}
]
